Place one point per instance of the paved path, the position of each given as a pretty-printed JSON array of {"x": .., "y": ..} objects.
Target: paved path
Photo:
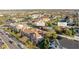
[{"x": 68, "y": 37}]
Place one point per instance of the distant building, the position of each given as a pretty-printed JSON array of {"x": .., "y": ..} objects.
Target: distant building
[
  {"x": 36, "y": 15},
  {"x": 39, "y": 23},
  {"x": 62, "y": 24},
  {"x": 17, "y": 19},
  {"x": 35, "y": 37},
  {"x": 66, "y": 22},
  {"x": 19, "y": 26},
  {"x": 22, "y": 26},
  {"x": 33, "y": 34},
  {"x": 70, "y": 22},
  {"x": 10, "y": 21},
  {"x": 45, "y": 19}
]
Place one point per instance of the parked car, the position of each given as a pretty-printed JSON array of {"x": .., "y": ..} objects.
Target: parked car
[{"x": 21, "y": 45}]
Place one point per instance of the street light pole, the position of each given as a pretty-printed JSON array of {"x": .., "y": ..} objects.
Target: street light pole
[{"x": 77, "y": 20}]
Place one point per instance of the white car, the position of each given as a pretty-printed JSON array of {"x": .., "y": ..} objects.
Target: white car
[{"x": 21, "y": 45}]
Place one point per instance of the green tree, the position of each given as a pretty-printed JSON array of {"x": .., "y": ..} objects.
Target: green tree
[
  {"x": 49, "y": 24},
  {"x": 73, "y": 31},
  {"x": 54, "y": 35},
  {"x": 46, "y": 43},
  {"x": 68, "y": 32},
  {"x": 30, "y": 44},
  {"x": 1, "y": 23},
  {"x": 51, "y": 35},
  {"x": 58, "y": 29},
  {"x": 48, "y": 34}
]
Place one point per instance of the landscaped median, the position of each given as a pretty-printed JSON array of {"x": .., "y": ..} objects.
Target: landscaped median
[
  {"x": 23, "y": 39},
  {"x": 4, "y": 45}
]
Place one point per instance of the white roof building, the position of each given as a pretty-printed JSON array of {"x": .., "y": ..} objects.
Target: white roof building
[
  {"x": 40, "y": 23},
  {"x": 62, "y": 24},
  {"x": 19, "y": 26}
]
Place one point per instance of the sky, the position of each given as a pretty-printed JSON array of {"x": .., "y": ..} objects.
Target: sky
[{"x": 39, "y": 4}]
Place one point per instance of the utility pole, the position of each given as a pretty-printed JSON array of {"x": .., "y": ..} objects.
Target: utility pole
[{"x": 77, "y": 19}]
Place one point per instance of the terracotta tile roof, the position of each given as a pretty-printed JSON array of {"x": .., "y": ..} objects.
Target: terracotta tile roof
[{"x": 32, "y": 31}]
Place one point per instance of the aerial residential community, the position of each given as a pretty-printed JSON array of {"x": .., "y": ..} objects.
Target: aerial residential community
[{"x": 39, "y": 29}]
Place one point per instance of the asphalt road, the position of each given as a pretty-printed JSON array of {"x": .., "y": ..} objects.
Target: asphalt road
[
  {"x": 69, "y": 44},
  {"x": 18, "y": 42},
  {"x": 6, "y": 40}
]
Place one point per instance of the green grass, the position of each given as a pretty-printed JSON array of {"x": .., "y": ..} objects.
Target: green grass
[{"x": 12, "y": 33}]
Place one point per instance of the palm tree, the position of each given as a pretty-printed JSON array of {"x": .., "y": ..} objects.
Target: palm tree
[
  {"x": 52, "y": 36},
  {"x": 76, "y": 20},
  {"x": 58, "y": 29},
  {"x": 46, "y": 43}
]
